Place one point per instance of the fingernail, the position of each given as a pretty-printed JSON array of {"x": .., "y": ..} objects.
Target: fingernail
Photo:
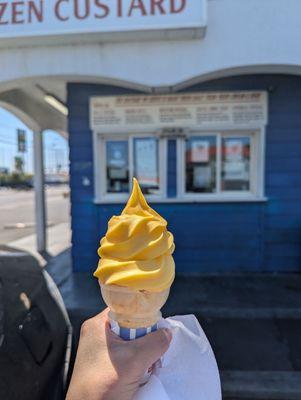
[{"x": 168, "y": 334}]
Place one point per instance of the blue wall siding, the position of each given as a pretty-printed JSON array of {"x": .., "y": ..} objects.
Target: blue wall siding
[
  {"x": 214, "y": 236},
  {"x": 172, "y": 168}
]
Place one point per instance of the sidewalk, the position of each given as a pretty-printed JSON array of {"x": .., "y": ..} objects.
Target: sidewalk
[
  {"x": 58, "y": 240},
  {"x": 252, "y": 321}
]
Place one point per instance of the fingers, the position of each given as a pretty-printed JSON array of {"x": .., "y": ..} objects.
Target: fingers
[{"x": 151, "y": 347}]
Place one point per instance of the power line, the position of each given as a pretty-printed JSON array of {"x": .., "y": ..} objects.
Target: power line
[
  {"x": 30, "y": 145},
  {"x": 15, "y": 144}
]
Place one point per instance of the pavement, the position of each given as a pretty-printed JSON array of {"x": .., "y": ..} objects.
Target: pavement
[
  {"x": 17, "y": 215},
  {"x": 58, "y": 240},
  {"x": 253, "y": 322}
]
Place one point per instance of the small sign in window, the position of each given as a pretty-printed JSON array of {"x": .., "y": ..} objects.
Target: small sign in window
[{"x": 117, "y": 166}]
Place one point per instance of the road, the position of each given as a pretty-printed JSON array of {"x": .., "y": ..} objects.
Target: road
[{"x": 18, "y": 207}]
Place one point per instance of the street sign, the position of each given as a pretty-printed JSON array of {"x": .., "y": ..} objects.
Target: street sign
[{"x": 21, "y": 134}]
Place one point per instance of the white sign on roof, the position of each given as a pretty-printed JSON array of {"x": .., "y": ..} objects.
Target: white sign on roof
[
  {"x": 187, "y": 110},
  {"x": 111, "y": 18}
]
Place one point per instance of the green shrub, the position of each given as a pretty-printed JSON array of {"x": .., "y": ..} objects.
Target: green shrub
[{"x": 16, "y": 180}]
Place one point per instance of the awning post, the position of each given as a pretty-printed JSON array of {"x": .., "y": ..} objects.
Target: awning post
[{"x": 40, "y": 205}]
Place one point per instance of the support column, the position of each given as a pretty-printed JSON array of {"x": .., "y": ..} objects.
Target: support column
[{"x": 40, "y": 205}]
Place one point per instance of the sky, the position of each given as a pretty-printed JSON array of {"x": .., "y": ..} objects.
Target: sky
[{"x": 55, "y": 146}]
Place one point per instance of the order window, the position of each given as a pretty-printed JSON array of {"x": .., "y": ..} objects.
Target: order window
[
  {"x": 210, "y": 166},
  {"x": 128, "y": 157},
  {"x": 220, "y": 163}
]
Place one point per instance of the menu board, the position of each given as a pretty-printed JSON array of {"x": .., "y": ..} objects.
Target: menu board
[{"x": 192, "y": 110}]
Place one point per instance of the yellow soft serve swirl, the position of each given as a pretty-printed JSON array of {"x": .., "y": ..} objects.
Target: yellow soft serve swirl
[{"x": 137, "y": 249}]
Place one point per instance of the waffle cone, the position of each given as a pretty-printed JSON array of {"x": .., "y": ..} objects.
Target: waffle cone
[{"x": 133, "y": 308}]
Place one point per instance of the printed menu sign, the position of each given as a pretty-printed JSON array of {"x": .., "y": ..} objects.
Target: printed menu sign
[
  {"x": 195, "y": 110},
  {"x": 146, "y": 162},
  {"x": 199, "y": 151},
  {"x": 234, "y": 150}
]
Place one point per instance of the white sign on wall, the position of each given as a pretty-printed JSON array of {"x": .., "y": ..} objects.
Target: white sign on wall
[
  {"x": 146, "y": 170},
  {"x": 199, "y": 151},
  {"x": 191, "y": 110},
  {"x": 32, "y": 18},
  {"x": 234, "y": 150}
]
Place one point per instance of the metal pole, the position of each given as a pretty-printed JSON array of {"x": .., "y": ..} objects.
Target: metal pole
[{"x": 40, "y": 205}]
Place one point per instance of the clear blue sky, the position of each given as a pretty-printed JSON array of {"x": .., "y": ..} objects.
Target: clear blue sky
[{"x": 55, "y": 146}]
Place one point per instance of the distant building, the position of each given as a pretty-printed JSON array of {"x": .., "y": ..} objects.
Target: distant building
[{"x": 200, "y": 100}]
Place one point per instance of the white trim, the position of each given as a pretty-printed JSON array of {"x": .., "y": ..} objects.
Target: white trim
[
  {"x": 256, "y": 193},
  {"x": 206, "y": 199},
  {"x": 130, "y": 158}
]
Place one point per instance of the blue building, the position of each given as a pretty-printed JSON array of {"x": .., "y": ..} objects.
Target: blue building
[{"x": 230, "y": 193}]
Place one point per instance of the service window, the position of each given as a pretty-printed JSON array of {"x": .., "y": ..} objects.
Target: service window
[
  {"x": 220, "y": 165},
  {"x": 121, "y": 158}
]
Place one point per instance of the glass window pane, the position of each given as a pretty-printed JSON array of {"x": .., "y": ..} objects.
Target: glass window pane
[
  {"x": 146, "y": 164},
  {"x": 236, "y": 163},
  {"x": 117, "y": 158},
  {"x": 200, "y": 156}
]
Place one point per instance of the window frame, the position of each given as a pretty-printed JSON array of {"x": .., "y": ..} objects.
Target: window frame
[
  {"x": 100, "y": 170},
  {"x": 257, "y": 152},
  {"x": 256, "y": 194}
]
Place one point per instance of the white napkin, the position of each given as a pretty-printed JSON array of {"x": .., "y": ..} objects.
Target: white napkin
[{"x": 189, "y": 370}]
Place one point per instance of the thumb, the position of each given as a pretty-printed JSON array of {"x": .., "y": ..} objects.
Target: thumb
[{"x": 151, "y": 347}]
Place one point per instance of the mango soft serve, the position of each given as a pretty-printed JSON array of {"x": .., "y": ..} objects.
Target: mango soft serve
[{"x": 136, "y": 251}]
